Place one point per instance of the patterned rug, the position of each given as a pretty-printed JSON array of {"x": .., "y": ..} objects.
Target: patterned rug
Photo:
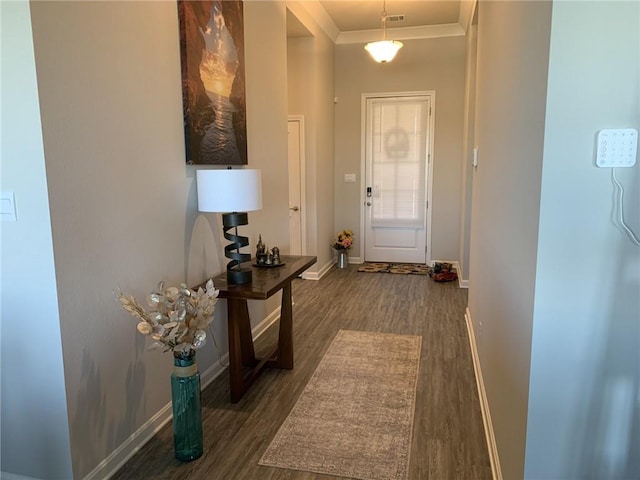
[
  {"x": 404, "y": 268},
  {"x": 355, "y": 416}
]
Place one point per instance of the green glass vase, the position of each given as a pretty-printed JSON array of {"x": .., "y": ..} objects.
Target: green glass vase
[{"x": 187, "y": 409}]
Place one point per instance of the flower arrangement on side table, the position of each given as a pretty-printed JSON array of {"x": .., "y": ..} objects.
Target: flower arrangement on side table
[
  {"x": 178, "y": 319},
  {"x": 344, "y": 240}
]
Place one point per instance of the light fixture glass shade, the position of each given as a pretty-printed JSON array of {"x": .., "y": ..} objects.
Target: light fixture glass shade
[
  {"x": 229, "y": 190},
  {"x": 384, "y": 50}
]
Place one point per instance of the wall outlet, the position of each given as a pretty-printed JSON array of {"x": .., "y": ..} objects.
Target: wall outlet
[{"x": 617, "y": 147}]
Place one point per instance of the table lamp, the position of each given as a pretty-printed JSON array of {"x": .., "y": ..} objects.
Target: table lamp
[{"x": 232, "y": 193}]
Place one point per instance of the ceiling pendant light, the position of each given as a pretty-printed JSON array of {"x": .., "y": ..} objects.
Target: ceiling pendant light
[{"x": 384, "y": 50}]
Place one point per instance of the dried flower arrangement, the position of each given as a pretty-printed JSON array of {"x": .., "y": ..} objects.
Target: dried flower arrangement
[{"x": 178, "y": 319}]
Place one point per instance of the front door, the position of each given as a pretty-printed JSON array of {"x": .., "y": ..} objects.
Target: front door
[{"x": 397, "y": 146}]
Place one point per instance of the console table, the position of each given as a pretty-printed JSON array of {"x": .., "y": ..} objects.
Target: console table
[{"x": 266, "y": 282}]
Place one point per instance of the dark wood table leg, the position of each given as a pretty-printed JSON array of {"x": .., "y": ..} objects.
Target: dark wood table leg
[
  {"x": 241, "y": 350},
  {"x": 246, "y": 337},
  {"x": 285, "y": 336},
  {"x": 244, "y": 367}
]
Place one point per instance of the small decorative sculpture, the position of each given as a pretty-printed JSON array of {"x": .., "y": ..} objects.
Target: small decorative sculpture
[
  {"x": 260, "y": 247},
  {"x": 266, "y": 257},
  {"x": 261, "y": 251}
]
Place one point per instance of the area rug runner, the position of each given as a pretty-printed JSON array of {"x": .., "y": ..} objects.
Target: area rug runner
[
  {"x": 355, "y": 416},
  {"x": 405, "y": 268}
]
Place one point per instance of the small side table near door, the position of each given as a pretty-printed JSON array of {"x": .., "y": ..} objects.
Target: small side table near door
[{"x": 265, "y": 283}]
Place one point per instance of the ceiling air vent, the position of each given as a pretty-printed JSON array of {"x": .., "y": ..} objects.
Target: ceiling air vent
[{"x": 395, "y": 18}]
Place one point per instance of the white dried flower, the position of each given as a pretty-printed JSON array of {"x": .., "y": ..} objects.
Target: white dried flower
[
  {"x": 179, "y": 316},
  {"x": 199, "y": 338},
  {"x": 145, "y": 328},
  {"x": 172, "y": 293}
]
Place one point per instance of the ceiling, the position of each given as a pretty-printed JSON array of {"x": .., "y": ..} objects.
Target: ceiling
[
  {"x": 354, "y": 15},
  {"x": 359, "y": 21}
]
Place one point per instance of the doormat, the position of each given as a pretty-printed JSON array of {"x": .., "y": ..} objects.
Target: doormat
[
  {"x": 354, "y": 418},
  {"x": 403, "y": 268},
  {"x": 440, "y": 272}
]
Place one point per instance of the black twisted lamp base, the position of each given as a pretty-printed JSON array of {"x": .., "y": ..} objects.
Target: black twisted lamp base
[{"x": 236, "y": 274}]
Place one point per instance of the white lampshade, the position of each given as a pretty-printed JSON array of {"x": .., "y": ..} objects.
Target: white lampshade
[
  {"x": 229, "y": 190},
  {"x": 384, "y": 50}
]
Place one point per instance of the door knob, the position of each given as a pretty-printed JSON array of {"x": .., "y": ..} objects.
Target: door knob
[
  {"x": 295, "y": 209},
  {"x": 368, "y": 204}
]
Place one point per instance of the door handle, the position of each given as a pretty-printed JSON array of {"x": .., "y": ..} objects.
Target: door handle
[
  {"x": 368, "y": 204},
  {"x": 295, "y": 209}
]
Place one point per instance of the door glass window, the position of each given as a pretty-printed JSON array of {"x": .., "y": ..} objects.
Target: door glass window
[{"x": 398, "y": 153}]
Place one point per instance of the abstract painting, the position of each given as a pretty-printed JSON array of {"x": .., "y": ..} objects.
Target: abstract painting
[{"x": 213, "y": 84}]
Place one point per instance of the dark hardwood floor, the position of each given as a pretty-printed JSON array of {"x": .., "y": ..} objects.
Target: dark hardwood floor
[{"x": 448, "y": 438}]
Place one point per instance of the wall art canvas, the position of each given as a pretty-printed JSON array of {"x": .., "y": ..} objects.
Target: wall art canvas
[{"x": 213, "y": 81}]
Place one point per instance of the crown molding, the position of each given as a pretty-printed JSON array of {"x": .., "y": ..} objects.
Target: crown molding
[
  {"x": 311, "y": 11},
  {"x": 403, "y": 33},
  {"x": 467, "y": 7}
]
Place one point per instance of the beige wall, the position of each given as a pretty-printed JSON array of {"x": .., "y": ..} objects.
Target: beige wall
[
  {"x": 584, "y": 410},
  {"x": 468, "y": 142},
  {"x": 123, "y": 202},
  {"x": 300, "y": 82},
  {"x": 557, "y": 324},
  {"x": 266, "y": 56},
  {"x": 433, "y": 64},
  {"x": 121, "y": 199},
  {"x": 325, "y": 148},
  {"x": 513, "y": 52},
  {"x": 310, "y": 82},
  {"x": 34, "y": 424}
]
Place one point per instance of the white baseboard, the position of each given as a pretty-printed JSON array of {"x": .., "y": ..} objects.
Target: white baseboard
[
  {"x": 110, "y": 465},
  {"x": 484, "y": 403},
  {"x": 453, "y": 263},
  {"x": 320, "y": 273},
  {"x": 14, "y": 476},
  {"x": 356, "y": 260},
  {"x": 461, "y": 283}
]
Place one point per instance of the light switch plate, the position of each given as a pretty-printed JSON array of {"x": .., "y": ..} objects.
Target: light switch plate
[
  {"x": 617, "y": 147},
  {"x": 349, "y": 177},
  {"x": 7, "y": 207}
]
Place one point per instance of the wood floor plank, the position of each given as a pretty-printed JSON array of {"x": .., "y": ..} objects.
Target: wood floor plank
[{"x": 448, "y": 438}]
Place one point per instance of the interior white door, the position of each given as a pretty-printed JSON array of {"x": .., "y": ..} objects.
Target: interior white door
[
  {"x": 396, "y": 152},
  {"x": 295, "y": 189}
]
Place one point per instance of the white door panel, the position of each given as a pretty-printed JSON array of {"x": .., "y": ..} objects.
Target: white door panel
[
  {"x": 295, "y": 155},
  {"x": 396, "y": 151},
  {"x": 396, "y": 238}
]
